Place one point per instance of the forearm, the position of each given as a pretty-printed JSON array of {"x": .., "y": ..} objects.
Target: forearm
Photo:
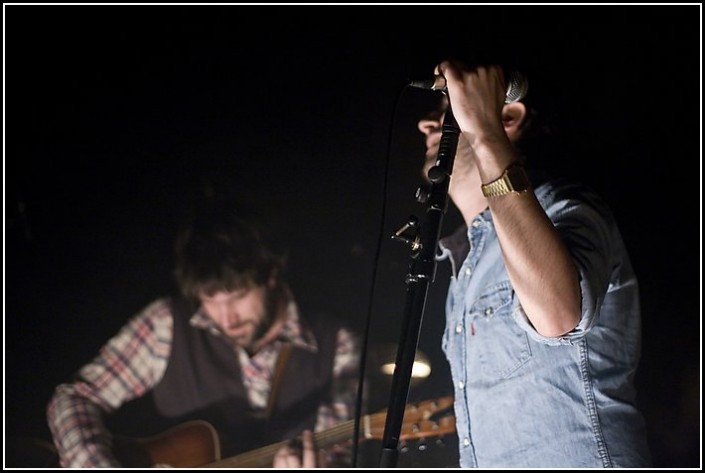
[
  {"x": 539, "y": 265},
  {"x": 79, "y": 433},
  {"x": 128, "y": 366},
  {"x": 540, "y": 268}
]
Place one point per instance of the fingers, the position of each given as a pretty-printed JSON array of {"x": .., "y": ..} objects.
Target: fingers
[
  {"x": 280, "y": 459},
  {"x": 445, "y": 68},
  {"x": 457, "y": 72},
  {"x": 298, "y": 453},
  {"x": 287, "y": 457},
  {"x": 309, "y": 451}
]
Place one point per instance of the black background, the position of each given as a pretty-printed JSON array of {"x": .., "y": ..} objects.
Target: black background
[{"x": 118, "y": 117}]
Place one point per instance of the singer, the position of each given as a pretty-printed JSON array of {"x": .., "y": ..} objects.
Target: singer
[
  {"x": 231, "y": 349},
  {"x": 543, "y": 318}
]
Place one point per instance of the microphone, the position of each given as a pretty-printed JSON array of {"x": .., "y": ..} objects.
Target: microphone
[{"x": 517, "y": 85}]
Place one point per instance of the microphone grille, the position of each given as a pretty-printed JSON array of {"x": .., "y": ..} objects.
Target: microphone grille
[{"x": 517, "y": 86}]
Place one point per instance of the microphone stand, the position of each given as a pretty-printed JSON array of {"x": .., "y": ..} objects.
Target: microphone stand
[{"x": 423, "y": 241}]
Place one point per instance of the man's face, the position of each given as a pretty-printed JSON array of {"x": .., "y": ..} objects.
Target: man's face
[
  {"x": 430, "y": 126},
  {"x": 243, "y": 315}
]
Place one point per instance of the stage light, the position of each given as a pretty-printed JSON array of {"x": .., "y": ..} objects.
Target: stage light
[{"x": 420, "y": 369}]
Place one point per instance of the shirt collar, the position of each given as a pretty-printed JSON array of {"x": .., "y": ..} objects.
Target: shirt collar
[{"x": 456, "y": 246}]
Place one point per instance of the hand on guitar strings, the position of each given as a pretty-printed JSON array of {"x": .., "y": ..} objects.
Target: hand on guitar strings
[{"x": 298, "y": 453}]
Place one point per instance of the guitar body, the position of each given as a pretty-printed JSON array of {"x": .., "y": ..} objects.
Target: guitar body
[{"x": 188, "y": 445}]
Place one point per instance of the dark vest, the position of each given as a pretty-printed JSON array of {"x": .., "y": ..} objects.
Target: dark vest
[{"x": 203, "y": 381}]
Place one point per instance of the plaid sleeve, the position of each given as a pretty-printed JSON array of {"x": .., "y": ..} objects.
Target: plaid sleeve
[
  {"x": 128, "y": 366},
  {"x": 346, "y": 366},
  {"x": 345, "y": 380}
]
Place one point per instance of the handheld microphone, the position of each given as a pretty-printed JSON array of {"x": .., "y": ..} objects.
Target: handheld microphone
[{"x": 517, "y": 85}]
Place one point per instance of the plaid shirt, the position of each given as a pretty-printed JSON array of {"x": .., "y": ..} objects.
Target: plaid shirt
[{"x": 135, "y": 359}]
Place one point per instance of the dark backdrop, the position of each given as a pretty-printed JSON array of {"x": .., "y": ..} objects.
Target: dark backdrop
[{"x": 119, "y": 117}]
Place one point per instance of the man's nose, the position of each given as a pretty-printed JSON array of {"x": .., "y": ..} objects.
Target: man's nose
[{"x": 228, "y": 313}]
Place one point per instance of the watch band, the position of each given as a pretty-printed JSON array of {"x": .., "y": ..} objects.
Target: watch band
[{"x": 513, "y": 179}]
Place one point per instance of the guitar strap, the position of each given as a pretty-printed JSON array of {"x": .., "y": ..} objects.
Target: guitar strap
[{"x": 282, "y": 359}]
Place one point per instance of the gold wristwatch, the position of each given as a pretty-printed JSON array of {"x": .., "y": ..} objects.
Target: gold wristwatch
[{"x": 513, "y": 179}]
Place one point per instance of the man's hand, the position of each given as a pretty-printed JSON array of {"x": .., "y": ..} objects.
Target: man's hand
[{"x": 297, "y": 454}]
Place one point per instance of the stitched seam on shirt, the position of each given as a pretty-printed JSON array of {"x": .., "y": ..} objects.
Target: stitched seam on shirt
[{"x": 592, "y": 406}]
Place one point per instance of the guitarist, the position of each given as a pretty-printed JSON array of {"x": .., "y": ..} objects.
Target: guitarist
[{"x": 231, "y": 349}]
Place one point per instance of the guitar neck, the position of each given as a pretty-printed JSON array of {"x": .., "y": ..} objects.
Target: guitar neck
[
  {"x": 195, "y": 444},
  {"x": 263, "y": 457}
]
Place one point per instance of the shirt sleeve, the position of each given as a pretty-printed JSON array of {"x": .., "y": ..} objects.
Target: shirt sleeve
[
  {"x": 127, "y": 366},
  {"x": 346, "y": 367}
]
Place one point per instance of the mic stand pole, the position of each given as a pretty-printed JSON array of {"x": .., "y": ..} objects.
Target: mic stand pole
[{"x": 423, "y": 242}]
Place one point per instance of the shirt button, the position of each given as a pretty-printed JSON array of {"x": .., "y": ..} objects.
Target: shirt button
[
  {"x": 458, "y": 328},
  {"x": 468, "y": 271},
  {"x": 466, "y": 441},
  {"x": 461, "y": 384},
  {"x": 476, "y": 223},
  {"x": 489, "y": 311}
]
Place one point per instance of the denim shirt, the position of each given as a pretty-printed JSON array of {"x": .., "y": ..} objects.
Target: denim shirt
[{"x": 525, "y": 400}]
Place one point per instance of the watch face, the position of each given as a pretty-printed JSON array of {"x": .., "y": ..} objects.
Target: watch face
[
  {"x": 514, "y": 179},
  {"x": 517, "y": 177}
]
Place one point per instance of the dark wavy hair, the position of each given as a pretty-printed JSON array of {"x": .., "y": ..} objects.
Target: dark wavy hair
[{"x": 222, "y": 248}]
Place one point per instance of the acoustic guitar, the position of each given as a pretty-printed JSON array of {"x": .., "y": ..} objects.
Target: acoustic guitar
[{"x": 196, "y": 445}]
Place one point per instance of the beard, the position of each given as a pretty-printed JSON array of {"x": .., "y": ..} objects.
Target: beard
[{"x": 272, "y": 304}]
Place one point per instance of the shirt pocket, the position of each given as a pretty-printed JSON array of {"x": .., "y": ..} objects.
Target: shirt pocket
[{"x": 496, "y": 343}]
